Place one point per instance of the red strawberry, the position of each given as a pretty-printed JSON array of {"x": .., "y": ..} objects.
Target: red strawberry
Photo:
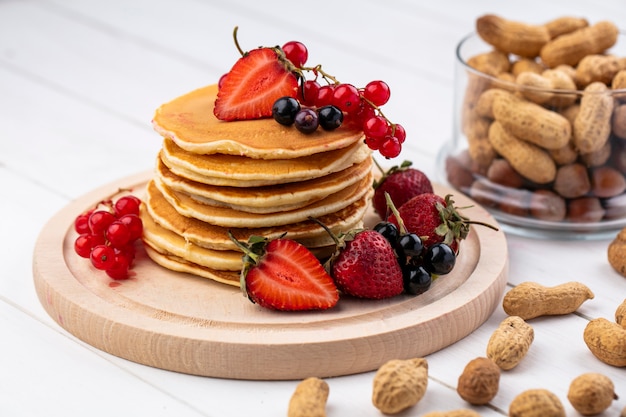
[
  {"x": 434, "y": 219},
  {"x": 401, "y": 183},
  {"x": 367, "y": 267},
  {"x": 282, "y": 274},
  {"x": 255, "y": 82}
]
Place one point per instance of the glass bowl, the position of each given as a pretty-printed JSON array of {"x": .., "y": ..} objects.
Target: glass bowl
[{"x": 545, "y": 161}]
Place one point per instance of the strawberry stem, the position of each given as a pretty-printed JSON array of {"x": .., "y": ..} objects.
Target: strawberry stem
[
  {"x": 241, "y": 51},
  {"x": 395, "y": 212}
]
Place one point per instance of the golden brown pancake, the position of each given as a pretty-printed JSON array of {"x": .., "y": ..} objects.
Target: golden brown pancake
[
  {"x": 215, "y": 237},
  {"x": 189, "y": 121},
  {"x": 268, "y": 199},
  {"x": 175, "y": 263},
  {"x": 241, "y": 171},
  {"x": 227, "y": 217}
]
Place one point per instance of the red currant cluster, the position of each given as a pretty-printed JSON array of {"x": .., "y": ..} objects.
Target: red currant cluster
[
  {"x": 107, "y": 235},
  {"x": 361, "y": 106}
]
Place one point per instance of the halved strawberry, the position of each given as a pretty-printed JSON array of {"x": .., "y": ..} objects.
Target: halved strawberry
[
  {"x": 254, "y": 83},
  {"x": 282, "y": 274}
]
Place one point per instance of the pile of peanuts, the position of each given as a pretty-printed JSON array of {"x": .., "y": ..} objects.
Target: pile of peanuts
[
  {"x": 401, "y": 384},
  {"x": 544, "y": 115}
]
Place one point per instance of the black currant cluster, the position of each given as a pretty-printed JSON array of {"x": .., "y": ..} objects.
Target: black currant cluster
[
  {"x": 288, "y": 111},
  {"x": 419, "y": 265}
]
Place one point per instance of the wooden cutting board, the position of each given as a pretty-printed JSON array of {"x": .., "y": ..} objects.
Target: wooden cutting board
[{"x": 187, "y": 324}]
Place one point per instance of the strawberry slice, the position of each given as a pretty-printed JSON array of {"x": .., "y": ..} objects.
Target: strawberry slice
[
  {"x": 254, "y": 83},
  {"x": 284, "y": 275}
]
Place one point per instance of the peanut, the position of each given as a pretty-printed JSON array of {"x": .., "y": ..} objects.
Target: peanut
[
  {"x": 597, "y": 157},
  {"x": 510, "y": 342},
  {"x": 526, "y": 65},
  {"x": 479, "y": 382},
  {"x": 570, "y": 48},
  {"x": 619, "y": 80},
  {"x": 490, "y": 63},
  {"x": 607, "y": 341},
  {"x": 623, "y": 413},
  {"x": 463, "y": 412},
  {"x": 531, "y": 122},
  {"x": 529, "y": 160},
  {"x": 592, "y": 68},
  {"x": 592, "y": 126},
  {"x": 309, "y": 399},
  {"x": 400, "y": 384},
  {"x": 591, "y": 393},
  {"x": 530, "y": 299},
  {"x": 619, "y": 121},
  {"x": 540, "y": 88},
  {"x": 620, "y": 314},
  {"x": 566, "y": 24},
  {"x": 536, "y": 403},
  {"x": 512, "y": 37},
  {"x": 617, "y": 252}
]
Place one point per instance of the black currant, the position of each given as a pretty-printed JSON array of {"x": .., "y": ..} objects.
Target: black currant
[
  {"x": 285, "y": 109},
  {"x": 416, "y": 279},
  {"x": 306, "y": 121},
  {"x": 389, "y": 232},
  {"x": 330, "y": 117},
  {"x": 439, "y": 259},
  {"x": 411, "y": 245}
]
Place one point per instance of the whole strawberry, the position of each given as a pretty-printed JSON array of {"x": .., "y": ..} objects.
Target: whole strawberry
[
  {"x": 282, "y": 274},
  {"x": 366, "y": 267},
  {"x": 401, "y": 183},
  {"x": 434, "y": 218}
]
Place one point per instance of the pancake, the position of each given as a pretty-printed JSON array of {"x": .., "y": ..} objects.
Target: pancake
[
  {"x": 189, "y": 121},
  {"x": 210, "y": 236},
  {"x": 227, "y": 217},
  {"x": 175, "y": 263},
  {"x": 241, "y": 171},
  {"x": 268, "y": 199},
  {"x": 166, "y": 241}
]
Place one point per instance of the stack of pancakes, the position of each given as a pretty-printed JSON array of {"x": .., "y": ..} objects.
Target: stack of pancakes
[{"x": 253, "y": 177}]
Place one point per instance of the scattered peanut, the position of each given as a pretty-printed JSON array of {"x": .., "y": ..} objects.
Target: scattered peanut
[
  {"x": 591, "y": 393},
  {"x": 530, "y": 299},
  {"x": 510, "y": 342},
  {"x": 607, "y": 341},
  {"x": 479, "y": 382},
  {"x": 620, "y": 314},
  {"x": 463, "y": 412},
  {"x": 623, "y": 413},
  {"x": 400, "y": 384},
  {"x": 536, "y": 403},
  {"x": 617, "y": 253},
  {"x": 309, "y": 399}
]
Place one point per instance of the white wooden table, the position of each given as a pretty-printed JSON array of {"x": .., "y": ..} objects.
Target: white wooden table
[{"x": 79, "y": 81}]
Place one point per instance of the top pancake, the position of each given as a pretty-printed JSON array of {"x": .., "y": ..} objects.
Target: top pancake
[{"x": 189, "y": 121}]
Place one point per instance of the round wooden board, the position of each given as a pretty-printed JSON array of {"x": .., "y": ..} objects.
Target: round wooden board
[{"x": 187, "y": 324}]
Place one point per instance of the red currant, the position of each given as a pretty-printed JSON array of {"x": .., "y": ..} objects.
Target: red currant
[
  {"x": 373, "y": 143},
  {"x": 307, "y": 95},
  {"x": 296, "y": 52},
  {"x": 118, "y": 234},
  {"x": 346, "y": 98},
  {"x": 324, "y": 96},
  {"x": 81, "y": 223},
  {"x": 390, "y": 147},
  {"x": 398, "y": 131},
  {"x": 128, "y": 204},
  {"x": 377, "y": 92},
  {"x": 99, "y": 221},
  {"x": 102, "y": 257},
  {"x": 134, "y": 224},
  {"x": 375, "y": 127},
  {"x": 85, "y": 242},
  {"x": 119, "y": 270}
]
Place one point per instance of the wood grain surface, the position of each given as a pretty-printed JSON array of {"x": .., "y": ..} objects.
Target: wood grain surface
[{"x": 187, "y": 324}]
